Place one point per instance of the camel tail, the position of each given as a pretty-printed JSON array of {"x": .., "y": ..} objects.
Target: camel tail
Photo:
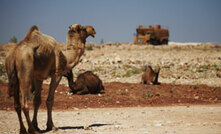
[{"x": 13, "y": 82}]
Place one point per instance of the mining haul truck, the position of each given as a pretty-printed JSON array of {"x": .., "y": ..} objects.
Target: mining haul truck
[{"x": 151, "y": 35}]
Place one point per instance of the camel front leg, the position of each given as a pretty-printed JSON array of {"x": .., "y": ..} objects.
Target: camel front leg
[
  {"x": 71, "y": 82},
  {"x": 50, "y": 101},
  {"x": 84, "y": 91},
  {"x": 37, "y": 102}
]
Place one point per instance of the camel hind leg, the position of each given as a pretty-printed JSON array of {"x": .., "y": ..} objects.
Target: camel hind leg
[
  {"x": 25, "y": 76},
  {"x": 83, "y": 91},
  {"x": 37, "y": 102},
  {"x": 50, "y": 101},
  {"x": 14, "y": 91},
  {"x": 25, "y": 86},
  {"x": 17, "y": 106}
]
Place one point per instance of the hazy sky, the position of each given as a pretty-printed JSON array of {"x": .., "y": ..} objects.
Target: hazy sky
[{"x": 114, "y": 20}]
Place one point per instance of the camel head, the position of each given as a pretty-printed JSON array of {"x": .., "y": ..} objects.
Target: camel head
[
  {"x": 90, "y": 31},
  {"x": 80, "y": 33},
  {"x": 76, "y": 28}
]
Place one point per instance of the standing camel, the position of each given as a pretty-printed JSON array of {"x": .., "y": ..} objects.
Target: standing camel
[{"x": 36, "y": 58}]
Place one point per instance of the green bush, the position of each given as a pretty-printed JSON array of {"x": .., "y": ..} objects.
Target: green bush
[
  {"x": 89, "y": 48},
  {"x": 13, "y": 40},
  {"x": 102, "y": 41},
  {"x": 2, "y": 69},
  {"x": 131, "y": 70}
]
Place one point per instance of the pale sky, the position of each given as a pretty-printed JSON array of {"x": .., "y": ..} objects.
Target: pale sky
[{"x": 113, "y": 20}]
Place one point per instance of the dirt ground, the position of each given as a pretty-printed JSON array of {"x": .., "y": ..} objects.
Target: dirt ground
[
  {"x": 197, "y": 119},
  {"x": 126, "y": 108},
  {"x": 118, "y": 94},
  {"x": 183, "y": 102}
]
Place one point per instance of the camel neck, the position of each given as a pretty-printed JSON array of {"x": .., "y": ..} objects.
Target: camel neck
[
  {"x": 73, "y": 54},
  {"x": 75, "y": 49},
  {"x": 75, "y": 46}
]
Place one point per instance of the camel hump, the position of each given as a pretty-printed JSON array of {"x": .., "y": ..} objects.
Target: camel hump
[
  {"x": 28, "y": 35},
  {"x": 34, "y": 27}
]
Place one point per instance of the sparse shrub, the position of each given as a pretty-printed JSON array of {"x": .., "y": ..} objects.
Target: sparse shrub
[
  {"x": 131, "y": 70},
  {"x": 1, "y": 81},
  {"x": 102, "y": 41},
  {"x": 126, "y": 66},
  {"x": 2, "y": 69},
  {"x": 147, "y": 94},
  {"x": 13, "y": 40},
  {"x": 117, "y": 75},
  {"x": 89, "y": 48},
  {"x": 97, "y": 69},
  {"x": 203, "y": 68},
  {"x": 2, "y": 54},
  {"x": 216, "y": 67}
]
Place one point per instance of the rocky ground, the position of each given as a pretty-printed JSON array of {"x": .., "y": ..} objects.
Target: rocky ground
[
  {"x": 123, "y": 62},
  {"x": 180, "y": 64},
  {"x": 187, "y": 101}
]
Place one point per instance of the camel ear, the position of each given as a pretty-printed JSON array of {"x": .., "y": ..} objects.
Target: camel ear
[
  {"x": 75, "y": 27},
  {"x": 157, "y": 70},
  {"x": 80, "y": 27}
]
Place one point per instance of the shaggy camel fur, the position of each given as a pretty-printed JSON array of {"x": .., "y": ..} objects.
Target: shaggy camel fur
[
  {"x": 86, "y": 82},
  {"x": 150, "y": 76},
  {"x": 36, "y": 58}
]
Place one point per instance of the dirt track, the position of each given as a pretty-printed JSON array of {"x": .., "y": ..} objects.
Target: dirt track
[{"x": 198, "y": 119}]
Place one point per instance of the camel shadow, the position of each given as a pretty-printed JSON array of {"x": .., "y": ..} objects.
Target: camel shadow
[
  {"x": 82, "y": 127},
  {"x": 76, "y": 127}
]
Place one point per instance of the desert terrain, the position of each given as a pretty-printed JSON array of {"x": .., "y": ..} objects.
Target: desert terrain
[{"x": 188, "y": 100}]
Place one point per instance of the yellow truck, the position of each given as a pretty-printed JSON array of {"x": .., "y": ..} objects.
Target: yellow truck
[{"x": 151, "y": 35}]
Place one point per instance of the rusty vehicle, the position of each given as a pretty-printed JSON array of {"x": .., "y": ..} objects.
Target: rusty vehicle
[{"x": 151, "y": 35}]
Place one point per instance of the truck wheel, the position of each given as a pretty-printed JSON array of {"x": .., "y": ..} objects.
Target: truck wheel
[
  {"x": 151, "y": 41},
  {"x": 165, "y": 42}
]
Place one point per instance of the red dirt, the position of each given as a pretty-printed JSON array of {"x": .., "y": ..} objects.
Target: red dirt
[{"x": 125, "y": 95}]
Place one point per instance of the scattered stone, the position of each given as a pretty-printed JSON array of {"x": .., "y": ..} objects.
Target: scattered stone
[
  {"x": 99, "y": 95},
  {"x": 196, "y": 97},
  {"x": 86, "y": 127}
]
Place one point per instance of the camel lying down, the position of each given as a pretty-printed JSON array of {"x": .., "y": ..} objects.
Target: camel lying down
[
  {"x": 150, "y": 76},
  {"x": 86, "y": 82},
  {"x": 36, "y": 58}
]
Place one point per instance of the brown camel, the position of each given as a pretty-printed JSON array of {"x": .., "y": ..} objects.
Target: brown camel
[
  {"x": 150, "y": 76},
  {"x": 85, "y": 83},
  {"x": 36, "y": 58}
]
